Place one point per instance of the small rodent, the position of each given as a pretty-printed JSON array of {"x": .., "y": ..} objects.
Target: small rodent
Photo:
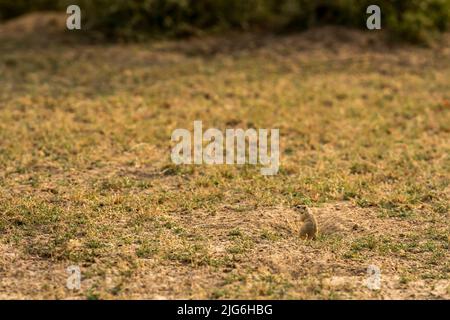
[{"x": 309, "y": 229}]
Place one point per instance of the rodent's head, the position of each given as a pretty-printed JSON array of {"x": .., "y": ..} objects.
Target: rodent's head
[{"x": 303, "y": 210}]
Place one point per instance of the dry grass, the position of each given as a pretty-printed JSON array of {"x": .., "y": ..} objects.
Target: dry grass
[{"x": 86, "y": 177}]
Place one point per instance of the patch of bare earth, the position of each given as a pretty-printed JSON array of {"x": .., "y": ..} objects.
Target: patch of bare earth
[
  {"x": 300, "y": 269},
  {"x": 271, "y": 250},
  {"x": 23, "y": 277}
]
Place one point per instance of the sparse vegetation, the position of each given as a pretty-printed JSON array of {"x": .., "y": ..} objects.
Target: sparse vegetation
[{"x": 86, "y": 178}]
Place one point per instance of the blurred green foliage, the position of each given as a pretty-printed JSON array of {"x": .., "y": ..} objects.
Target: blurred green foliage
[{"x": 412, "y": 20}]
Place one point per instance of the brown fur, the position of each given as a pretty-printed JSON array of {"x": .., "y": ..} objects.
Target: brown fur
[{"x": 309, "y": 229}]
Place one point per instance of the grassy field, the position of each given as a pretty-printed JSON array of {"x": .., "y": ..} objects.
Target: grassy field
[{"x": 86, "y": 177}]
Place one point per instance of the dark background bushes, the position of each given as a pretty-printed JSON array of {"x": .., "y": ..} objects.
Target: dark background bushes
[
  {"x": 13, "y": 8},
  {"x": 412, "y": 20}
]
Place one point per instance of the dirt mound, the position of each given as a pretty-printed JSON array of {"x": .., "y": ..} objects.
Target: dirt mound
[
  {"x": 341, "y": 218},
  {"x": 38, "y": 23}
]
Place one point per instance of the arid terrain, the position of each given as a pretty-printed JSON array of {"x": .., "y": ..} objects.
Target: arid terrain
[{"x": 86, "y": 177}]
